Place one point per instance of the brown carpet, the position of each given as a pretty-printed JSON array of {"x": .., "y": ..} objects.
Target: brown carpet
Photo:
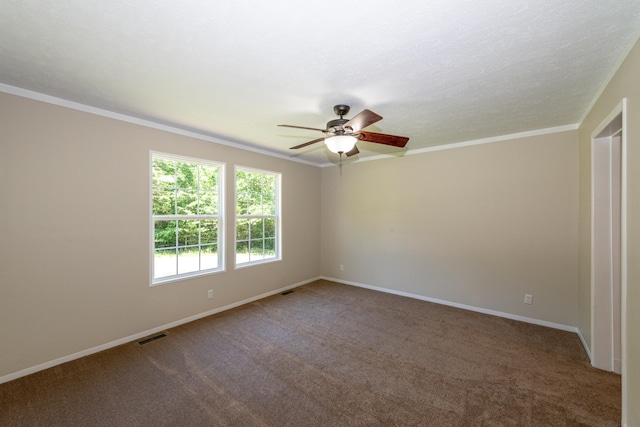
[{"x": 328, "y": 355}]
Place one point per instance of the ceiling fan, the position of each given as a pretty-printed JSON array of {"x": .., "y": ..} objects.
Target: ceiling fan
[{"x": 342, "y": 134}]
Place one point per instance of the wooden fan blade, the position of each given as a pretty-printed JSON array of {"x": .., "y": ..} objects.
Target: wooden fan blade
[
  {"x": 301, "y": 127},
  {"x": 307, "y": 143},
  {"x": 381, "y": 138},
  {"x": 353, "y": 151},
  {"x": 362, "y": 120}
]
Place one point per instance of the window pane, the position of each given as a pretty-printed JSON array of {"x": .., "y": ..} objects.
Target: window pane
[
  {"x": 242, "y": 203},
  {"x": 187, "y": 202},
  {"x": 269, "y": 248},
  {"x": 164, "y": 172},
  {"x": 256, "y": 250},
  {"x": 255, "y": 204},
  {"x": 164, "y": 263},
  {"x": 164, "y": 201},
  {"x": 208, "y": 203},
  {"x": 242, "y": 252},
  {"x": 164, "y": 234},
  {"x": 209, "y": 178},
  {"x": 208, "y": 231},
  {"x": 254, "y": 183},
  {"x": 269, "y": 184},
  {"x": 242, "y": 229},
  {"x": 241, "y": 182},
  {"x": 256, "y": 229},
  {"x": 208, "y": 257},
  {"x": 188, "y": 232},
  {"x": 186, "y": 175},
  {"x": 269, "y": 227},
  {"x": 188, "y": 260},
  {"x": 268, "y": 205}
]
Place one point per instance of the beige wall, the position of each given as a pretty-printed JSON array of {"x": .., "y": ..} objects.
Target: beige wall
[
  {"x": 74, "y": 232},
  {"x": 480, "y": 225},
  {"x": 625, "y": 84}
]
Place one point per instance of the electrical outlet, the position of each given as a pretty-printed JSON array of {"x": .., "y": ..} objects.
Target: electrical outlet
[
  {"x": 528, "y": 299},
  {"x": 210, "y": 293},
  {"x": 341, "y": 267}
]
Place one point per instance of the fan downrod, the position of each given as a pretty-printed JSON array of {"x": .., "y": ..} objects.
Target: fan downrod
[{"x": 341, "y": 110}]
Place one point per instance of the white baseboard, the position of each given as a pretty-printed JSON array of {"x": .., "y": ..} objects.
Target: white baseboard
[
  {"x": 134, "y": 337},
  {"x": 148, "y": 332},
  {"x": 462, "y": 306},
  {"x": 586, "y": 347}
]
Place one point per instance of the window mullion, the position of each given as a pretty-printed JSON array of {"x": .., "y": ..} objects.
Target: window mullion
[{"x": 184, "y": 217}]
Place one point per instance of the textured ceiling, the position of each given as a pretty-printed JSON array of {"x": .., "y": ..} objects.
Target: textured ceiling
[{"x": 439, "y": 71}]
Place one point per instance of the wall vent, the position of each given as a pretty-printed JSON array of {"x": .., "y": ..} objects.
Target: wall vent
[{"x": 152, "y": 338}]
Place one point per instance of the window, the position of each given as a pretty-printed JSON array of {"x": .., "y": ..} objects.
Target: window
[
  {"x": 186, "y": 212},
  {"x": 257, "y": 216}
]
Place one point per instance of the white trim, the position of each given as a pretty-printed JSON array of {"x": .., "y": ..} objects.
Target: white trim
[
  {"x": 24, "y": 93},
  {"x": 623, "y": 264},
  {"x": 584, "y": 343},
  {"x": 197, "y": 135},
  {"x": 134, "y": 337},
  {"x": 462, "y": 306},
  {"x": 463, "y": 144},
  {"x": 594, "y": 353},
  {"x": 621, "y": 108}
]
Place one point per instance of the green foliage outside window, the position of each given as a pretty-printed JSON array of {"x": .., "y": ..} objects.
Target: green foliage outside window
[
  {"x": 256, "y": 216},
  {"x": 185, "y": 214}
]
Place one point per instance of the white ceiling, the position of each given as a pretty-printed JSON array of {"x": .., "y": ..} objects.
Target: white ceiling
[{"x": 438, "y": 71}]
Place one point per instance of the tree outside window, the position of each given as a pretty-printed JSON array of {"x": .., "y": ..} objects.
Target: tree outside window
[
  {"x": 257, "y": 216},
  {"x": 186, "y": 217}
]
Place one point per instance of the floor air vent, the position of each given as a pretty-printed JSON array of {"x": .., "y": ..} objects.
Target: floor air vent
[
  {"x": 153, "y": 338},
  {"x": 286, "y": 292}
]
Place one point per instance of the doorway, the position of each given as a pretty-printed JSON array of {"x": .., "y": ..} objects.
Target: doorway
[{"x": 608, "y": 244}]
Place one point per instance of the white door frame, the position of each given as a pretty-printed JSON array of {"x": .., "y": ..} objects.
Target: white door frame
[{"x": 602, "y": 301}]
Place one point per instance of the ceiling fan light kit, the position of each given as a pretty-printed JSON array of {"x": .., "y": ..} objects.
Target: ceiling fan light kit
[
  {"x": 342, "y": 134},
  {"x": 341, "y": 143}
]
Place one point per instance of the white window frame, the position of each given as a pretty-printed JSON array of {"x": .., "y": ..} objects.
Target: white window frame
[
  {"x": 277, "y": 216},
  {"x": 219, "y": 217}
]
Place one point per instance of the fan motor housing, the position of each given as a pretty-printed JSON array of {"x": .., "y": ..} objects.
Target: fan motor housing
[{"x": 336, "y": 125}]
